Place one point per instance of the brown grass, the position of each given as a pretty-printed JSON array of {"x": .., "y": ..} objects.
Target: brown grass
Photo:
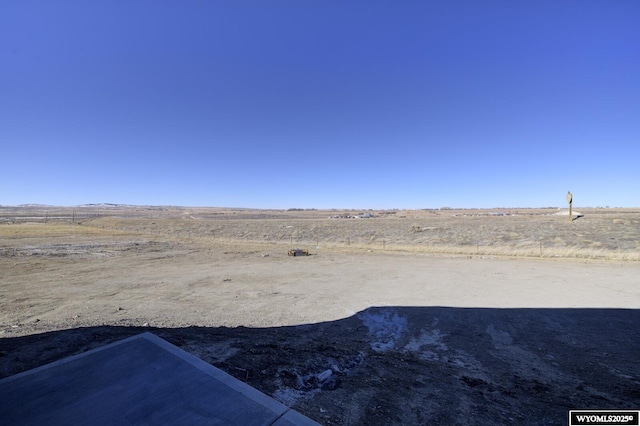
[
  {"x": 606, "y": 234},
  {"x": 45, "y": 230}
]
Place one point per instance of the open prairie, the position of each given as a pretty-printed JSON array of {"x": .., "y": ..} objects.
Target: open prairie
[{"x": 405, "y": 317}]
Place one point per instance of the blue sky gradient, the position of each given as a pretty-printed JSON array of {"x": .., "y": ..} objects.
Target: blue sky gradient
[{"x": 320, "y": 104}]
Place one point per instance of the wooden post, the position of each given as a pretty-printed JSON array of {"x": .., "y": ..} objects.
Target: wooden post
[{"x": 570, "y": 201}]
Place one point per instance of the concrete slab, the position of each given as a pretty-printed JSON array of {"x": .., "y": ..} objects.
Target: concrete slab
[{"x": 140, "y": 380}]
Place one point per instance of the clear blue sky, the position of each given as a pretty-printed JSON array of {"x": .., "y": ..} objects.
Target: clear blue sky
[{"x": 325, "y": 104}]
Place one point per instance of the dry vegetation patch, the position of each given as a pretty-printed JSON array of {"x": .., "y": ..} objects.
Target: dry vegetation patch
[
  {"x": 606, "y": 234},
  {"x": 599, "y": 234},
  {"x": 48, "y": 230}
]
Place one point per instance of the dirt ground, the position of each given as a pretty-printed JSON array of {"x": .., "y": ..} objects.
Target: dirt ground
[{"x": 346, "y": 337}]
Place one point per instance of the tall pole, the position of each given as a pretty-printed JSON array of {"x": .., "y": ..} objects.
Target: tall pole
[{"x": 570, "y": 201}]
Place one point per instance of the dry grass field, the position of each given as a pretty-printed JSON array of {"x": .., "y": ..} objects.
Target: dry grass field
[
  {"x": 406, "y": 317},
  {"x": 605, "y": 234}
]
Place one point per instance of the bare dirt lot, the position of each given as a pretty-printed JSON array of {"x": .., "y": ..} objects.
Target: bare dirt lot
[{"x": 408, "y": 317}]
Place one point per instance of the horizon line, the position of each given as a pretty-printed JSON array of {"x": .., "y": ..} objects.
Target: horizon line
[{"x": 177, "y": 206}]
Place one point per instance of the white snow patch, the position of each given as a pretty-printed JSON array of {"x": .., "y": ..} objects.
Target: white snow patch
[
  {"x": 429, "y": 356},
  {"x": 386, "y": 328},
  {"x": 566, "y": 213},
  {"x": 500, "y": 338},
  {"x": 427, "y": 338},
  {"x": 289, "y": 396}
]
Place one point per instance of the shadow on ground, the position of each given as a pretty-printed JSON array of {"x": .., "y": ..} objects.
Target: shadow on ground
[{"x": 407, "y": 365}]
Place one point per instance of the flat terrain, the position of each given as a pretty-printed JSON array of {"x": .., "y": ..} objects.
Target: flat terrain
[{"x": 407, "y": 317}]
